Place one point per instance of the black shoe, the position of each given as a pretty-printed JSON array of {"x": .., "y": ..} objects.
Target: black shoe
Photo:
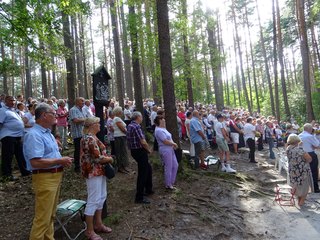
[
  {"x": 10, "y": 178},
  {"x": 253, "y": 161},
  {"x": 26, "y": 174},
  {"x": 149, "y": 193},
  {"x": 142, "y": 201},
  {"x": 317, "y": 191},
  {"x": 77, "y": 170}
]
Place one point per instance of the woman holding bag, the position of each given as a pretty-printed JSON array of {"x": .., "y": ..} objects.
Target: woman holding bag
[{"x": 93, "y": 157}]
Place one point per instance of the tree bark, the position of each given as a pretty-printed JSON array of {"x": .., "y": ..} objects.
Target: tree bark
[
  {"x": 28, "y": 89},
  {"x": 186, "y": 55},
  {"x": 126, "y": 56},
  {"x": 275, "y": 62},
  {"x": 69, "y": 60},
  {"x": 5, "y": 76},
  {"x": 117, "y": 52},
  {"x": 282, "y": 66},
  {"x": 304, "y": 48},
  {"x": 166, "y": 69},
  {"x": 264, "y": 53}
]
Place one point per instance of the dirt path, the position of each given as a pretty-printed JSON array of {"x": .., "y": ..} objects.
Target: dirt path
[{"x": 207, "y": 205}]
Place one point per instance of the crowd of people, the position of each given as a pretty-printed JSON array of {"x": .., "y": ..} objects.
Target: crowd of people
[{"x": 36, "y": 132}]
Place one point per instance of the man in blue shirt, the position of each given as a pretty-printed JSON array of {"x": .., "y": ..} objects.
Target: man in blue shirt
[
  {"x": 309, "y": 144},
  {"x": 46, "y": 163},
  {"x": 11, "y": 131},
  {"x": 198, "y": 139}
]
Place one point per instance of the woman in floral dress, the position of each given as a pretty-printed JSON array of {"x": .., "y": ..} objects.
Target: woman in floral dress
[
  {"x": 93, "y": 155},
  {"x": 299, "y": 168}
]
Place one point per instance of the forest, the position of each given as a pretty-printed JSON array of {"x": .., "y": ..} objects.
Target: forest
[{"x": 262, "y": 55}]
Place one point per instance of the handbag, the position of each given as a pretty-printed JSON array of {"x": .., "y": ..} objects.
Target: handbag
[{"x": 109, "y": 171}]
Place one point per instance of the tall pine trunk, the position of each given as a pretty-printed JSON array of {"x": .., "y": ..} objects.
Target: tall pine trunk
[
  {"x": 166, "y": 69},
  {"x": 304, "y": 48},
  {"x": 28, "y": 92},
  {"x": 282, "y": 66},
  {"x": 117, "y": 52}
]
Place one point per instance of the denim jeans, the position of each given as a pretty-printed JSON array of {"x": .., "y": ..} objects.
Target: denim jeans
[{"x": 271, "y": 145}]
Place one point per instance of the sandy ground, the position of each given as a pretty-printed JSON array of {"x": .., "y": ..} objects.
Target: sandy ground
[{"x": 207, "y": 205}]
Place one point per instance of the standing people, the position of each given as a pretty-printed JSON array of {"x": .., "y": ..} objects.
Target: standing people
[
  {"x": 309, "y": 144},
  {"x": 187, "y": 123},
  {"x": 119, "y": 134},
  {"x": 182, "y": 116},
  {"x": 259, "y": 128},
  {"x": 299, "y": 168},
  {"x": 198, "y": 139},
  {"x": 234, "y": 132},
  {"x": 62, "y": 122},
  {"x": 86, "y": 109},
  {"x": 46, "y": 163},
  {"x": 166, "y": 150},
  {"x": 222, "y": 139},
  {"x": 110, "y": 131},
  {"x": 139, "y": 151},
  {"x": 93, "y": 156},
  {"x": 249, "y": 131},
  {"x": 270, "y": 138},
  {"x": 127, "y": 114},
  {"x": 11, "y": 131},
  {"x": 77, "y": 118}
]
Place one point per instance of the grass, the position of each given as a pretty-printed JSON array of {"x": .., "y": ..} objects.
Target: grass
[{"x": 113, "y": 219}]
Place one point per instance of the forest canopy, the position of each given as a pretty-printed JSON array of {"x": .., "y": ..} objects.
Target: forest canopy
[{"x": 260, "y": 55}]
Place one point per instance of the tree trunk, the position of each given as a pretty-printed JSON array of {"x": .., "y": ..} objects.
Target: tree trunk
[
  {"x": 5, "y": 77},
  {"x": 126, "y": 56},
  {"x": 166, "y": 69},
  {"x": 92, "y": 46},
  {"x": 69, "y": 60},
  {"x": 252, "y": 63},
  {"x": 84, "y": 57},
  {"x": 282, "y": 67},
  {"x": 117, "y": 52},
  {"x": 263, "y": 48},
  {"x": 44, "y": 85},
  {"x": 103, "y": 37},
  {"x": 186, "y": 55},
  {"x": 304, "y": 48},
  {"x": 244, "y": 87},
  {"x": 78, "y": 57},
  {"x": 135, "y": 60},
  {"x": 275, "y": 62},
  {"x": 214, "y": 59},
  {"x": 28, "y": 92}
]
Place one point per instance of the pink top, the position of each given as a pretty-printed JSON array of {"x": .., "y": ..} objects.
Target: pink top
[{"x": 62, "y": 114}]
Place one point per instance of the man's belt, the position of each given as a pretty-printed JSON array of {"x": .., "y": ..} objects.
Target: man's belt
[{"x": 51, "y": 170}]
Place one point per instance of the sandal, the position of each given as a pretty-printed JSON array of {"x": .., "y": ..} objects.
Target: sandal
[
  {"x": 103, "y": 229},
  {"x": 93, "y": 236}
]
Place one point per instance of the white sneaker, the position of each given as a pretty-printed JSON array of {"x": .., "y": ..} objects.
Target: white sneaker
[
  {"x": 229, "y": 169},
  {"x": 223, "y": 167}
]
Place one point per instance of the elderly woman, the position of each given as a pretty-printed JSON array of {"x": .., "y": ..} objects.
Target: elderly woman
[
  {"x": 93, "y": 156},
  {"x": 29, "y": 118},
  {"x": 299, "y": 168},
  {"x": 166, "y": 150},
  {"x": 119, "y": 133}
]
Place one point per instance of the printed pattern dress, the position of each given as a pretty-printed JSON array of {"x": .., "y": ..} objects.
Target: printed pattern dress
[
  {"x": 92, "y": 150},
  {"x": 299, "y": 171}
]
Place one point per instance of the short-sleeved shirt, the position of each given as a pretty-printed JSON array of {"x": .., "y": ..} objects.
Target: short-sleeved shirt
[
  {"x": 127, "y": 113},
  {"x": 309, "y": 141},
  {"x": 134, "y": 135},
  {"x": 61, "y": 117},
  {"x": 161, "y": 135},
  {"x": 40, "y": 143},
  {"x": 109, "y": 124},
  {"x": 11, "y": 124},
  {"x": 31, "y": 120},
  {"x": 249, "y": 131},
  {"x": 195, "y": 126},
  {"x": 117, "y": 132},
  {"x": 218, "y": 128},
  {"x": 76, "y": 128}
]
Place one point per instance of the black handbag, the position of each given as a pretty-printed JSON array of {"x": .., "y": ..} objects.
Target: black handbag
[{"x": 109, "y": 171}]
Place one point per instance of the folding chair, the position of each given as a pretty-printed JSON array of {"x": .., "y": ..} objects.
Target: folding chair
[
  {"x": 66, "y": 211},
  {"x": 284, "y": 195},
  {"x": 211, "y": 160}
]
